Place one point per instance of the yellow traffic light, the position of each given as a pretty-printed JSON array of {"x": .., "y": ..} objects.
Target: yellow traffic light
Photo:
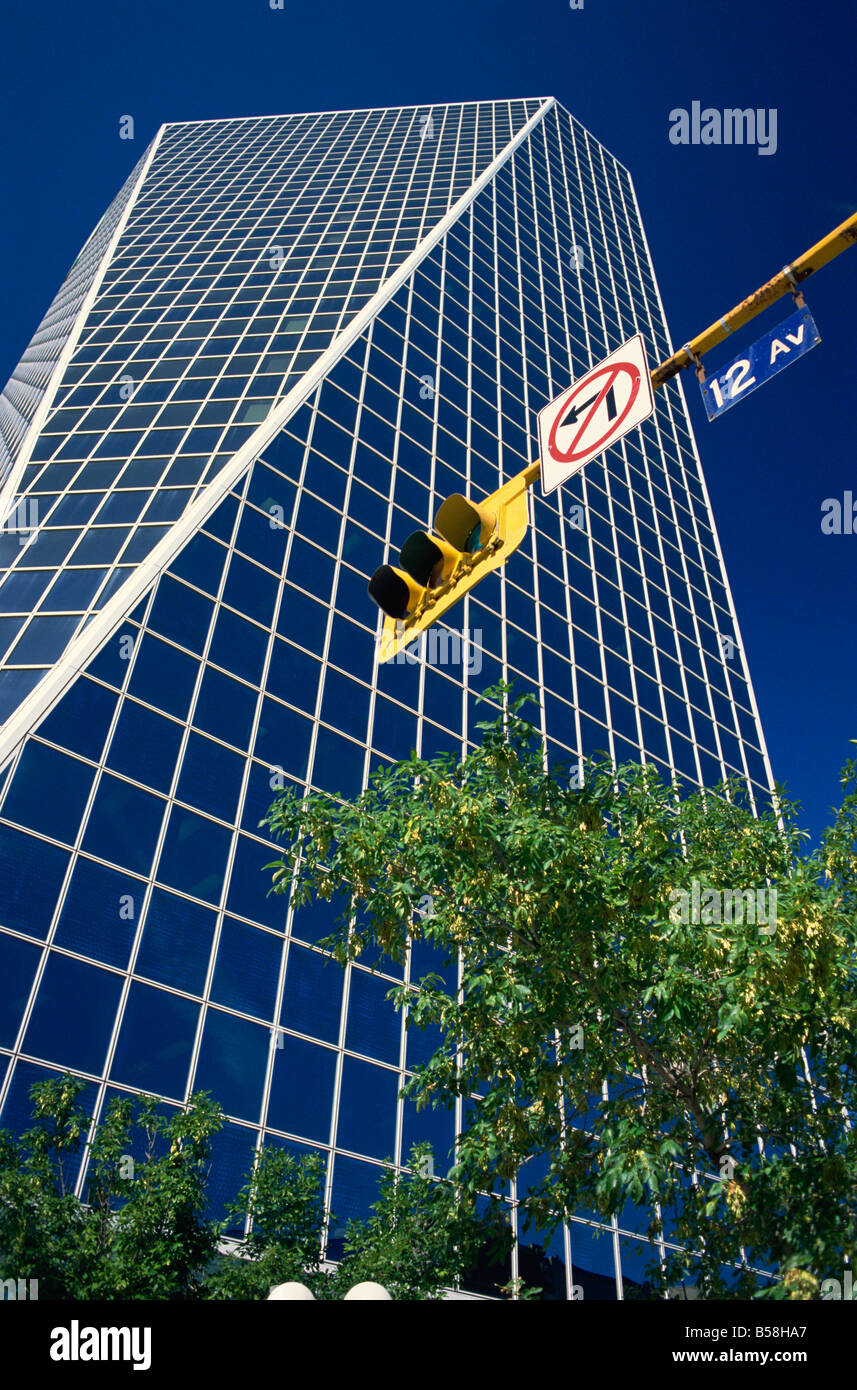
[
  {"x": 426, "y": 561},
  {"x": 437, "y": 569}
]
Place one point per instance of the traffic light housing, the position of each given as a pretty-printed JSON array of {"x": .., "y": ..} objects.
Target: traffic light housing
[{"x": 437, "y": 568}]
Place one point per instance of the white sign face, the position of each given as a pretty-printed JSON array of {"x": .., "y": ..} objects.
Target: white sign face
[{"x": 611, "y": 399}]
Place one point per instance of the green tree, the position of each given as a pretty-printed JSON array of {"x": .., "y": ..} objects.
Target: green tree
[
  {"x": 651, "y": 1049},
  {"x": 143, "y": 1232},
  {"x": 162, "y": 1240},
  {"x": 41, "y": 1221},
  {"x": 423, "y": 1234},
  {"x": 284, "y": 1198}
]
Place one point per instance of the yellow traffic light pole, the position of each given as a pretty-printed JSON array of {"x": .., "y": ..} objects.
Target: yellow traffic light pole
[{"x": 505, "y": 514}]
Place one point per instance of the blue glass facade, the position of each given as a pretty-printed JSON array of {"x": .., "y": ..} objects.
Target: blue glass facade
[{"x": 306, "y": 332}]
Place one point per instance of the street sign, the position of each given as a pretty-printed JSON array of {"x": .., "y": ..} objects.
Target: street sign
[
  {"x": 794, "y": 336},
  {"x": 605, "y": 404}
]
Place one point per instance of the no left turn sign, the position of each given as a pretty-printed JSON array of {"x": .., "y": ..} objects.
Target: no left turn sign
[{"x": 611, "y": 399}]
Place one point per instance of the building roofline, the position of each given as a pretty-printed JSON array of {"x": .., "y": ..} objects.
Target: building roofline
[{"x": 355, "y": 110}]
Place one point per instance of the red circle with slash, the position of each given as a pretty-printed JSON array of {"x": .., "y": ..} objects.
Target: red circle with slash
[{"x": 612, "y": 374}]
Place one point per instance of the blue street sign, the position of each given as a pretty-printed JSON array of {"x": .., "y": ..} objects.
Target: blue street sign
[{"x": 794, "y": 336}]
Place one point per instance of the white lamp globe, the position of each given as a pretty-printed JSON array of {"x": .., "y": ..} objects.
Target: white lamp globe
[{"x": 289, "y": 1291}]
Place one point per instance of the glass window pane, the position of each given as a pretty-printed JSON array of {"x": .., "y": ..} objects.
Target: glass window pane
[
  {"x": 250, "y": 884},
  {"x": 100, "y": 913},
  {"x": 176, "y": 943},
  {"x": 31, "y": 872},
  {"x": 73, "y": 1014},
  {"x": 225, "y": 708},
  {"x": 312, "y": 1002},
  {"x": 593, "y": 1266},
  {"x": 18, "y": 963},
  {"x": 367, "y": 1109},
  {"x": 210, "y": 777},
  {"x": 29, "y": 802},
  {"x": 232, "y": 1063},
  {"x": 302, "y": 1088},
  {"x": 155, "y": 1041},
  {"x": 193, "y": 858},
  {"x": 81, "y": 719},
  {"x": 374, "y": 1025},
  {"x": 145, "y": 746},
  {"x": 123, "y": 824},
  {"x": 163, "y": 676},
  {"x": 247, "y": 969},
  {"x": 181, "y": 614}
]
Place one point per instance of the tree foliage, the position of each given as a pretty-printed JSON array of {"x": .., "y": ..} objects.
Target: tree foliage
[
  {"x": 143, "y": 1229},
  {"x": 141, "y": 1232},
  {"x": 693, "y": 1062},
  {"x": 422, "y": 1234}
]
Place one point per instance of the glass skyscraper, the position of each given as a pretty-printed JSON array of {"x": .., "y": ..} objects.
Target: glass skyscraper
[{"x": 286, "y": 342}]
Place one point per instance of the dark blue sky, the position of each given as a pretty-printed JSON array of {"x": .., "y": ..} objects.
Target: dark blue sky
[{"x": 720, "y": 221}]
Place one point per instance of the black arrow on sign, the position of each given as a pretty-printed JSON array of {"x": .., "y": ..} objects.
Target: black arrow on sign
[{"x": 575, "y": 411}]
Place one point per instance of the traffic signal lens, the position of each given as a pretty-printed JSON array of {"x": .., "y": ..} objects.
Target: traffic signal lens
[
  {"x": 465, "y": 524},
  {"x": 429, "y": 559},
  {"x": 421, "y": 557},
  {"x": 393, "y": 592}
]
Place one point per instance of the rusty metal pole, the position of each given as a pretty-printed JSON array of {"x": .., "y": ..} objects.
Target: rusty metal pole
[{"x": 785, "y": 281}]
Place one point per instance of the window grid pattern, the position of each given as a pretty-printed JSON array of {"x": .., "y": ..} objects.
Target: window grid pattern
[
  {"x": 250, "y": 246},
  {"x": 250, "y": 665}
]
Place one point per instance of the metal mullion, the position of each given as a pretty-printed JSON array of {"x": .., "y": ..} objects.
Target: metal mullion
[
  {"x": 562, "y": 516},
  {"x": 49, "y": 939},
  {"x": 696, "y": 533},
  {"x": 723, "y": 577},
  {"x": 663, "y": 563},
  {"x": 585, "y": 490},
  {"x": 538, "y": 233}
]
